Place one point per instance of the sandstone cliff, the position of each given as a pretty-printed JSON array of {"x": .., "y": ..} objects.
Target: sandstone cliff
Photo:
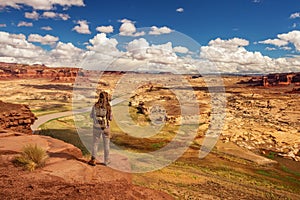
[
  {"x": 16, "y": 117},
  {"x": 12, "y": 71}
]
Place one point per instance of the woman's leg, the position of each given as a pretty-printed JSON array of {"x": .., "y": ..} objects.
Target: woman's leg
[
  {"x": 96, "y": 137},
  {"x": 106, "y": 141}
]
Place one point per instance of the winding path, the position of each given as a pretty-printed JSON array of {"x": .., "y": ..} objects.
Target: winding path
[{"x": 45, "y": 118}]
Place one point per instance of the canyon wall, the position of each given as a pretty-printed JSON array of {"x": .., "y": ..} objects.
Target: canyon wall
[
  {"x": 13, "y": 71},
  {"x": 16, "y": 117}
]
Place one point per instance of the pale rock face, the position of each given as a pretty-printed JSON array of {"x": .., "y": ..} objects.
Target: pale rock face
[{"x": 256, "y": 123}]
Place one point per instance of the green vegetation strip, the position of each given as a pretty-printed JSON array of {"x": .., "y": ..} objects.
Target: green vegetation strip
[{"x": 64, "y": 131}]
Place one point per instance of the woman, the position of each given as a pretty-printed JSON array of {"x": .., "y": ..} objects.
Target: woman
[{"x": 101, "y": 115}]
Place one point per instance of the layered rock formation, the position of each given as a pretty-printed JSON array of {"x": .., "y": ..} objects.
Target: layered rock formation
[
  {"x": 16, "y": 117},
  {"x": 263, "y": 126},
  {"x": 12, "y": 70},
  {"x": 59, "y": 74},
  {"x": 284, "y": 79},
  {"x": 260, "y": 120}
]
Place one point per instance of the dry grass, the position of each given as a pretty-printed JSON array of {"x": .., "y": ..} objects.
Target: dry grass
[{"x": 32, "y": 157}]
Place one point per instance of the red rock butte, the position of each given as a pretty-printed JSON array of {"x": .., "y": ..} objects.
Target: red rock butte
[{"x": 273, "y": 80}]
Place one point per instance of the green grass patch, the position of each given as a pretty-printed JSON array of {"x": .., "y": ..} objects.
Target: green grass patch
[
  {"x": 269, "y": 173},
  {"x": 63, "y": 129},
  {"x": 271, "y": 155},
  {"x": 287, "y": 170},
  {"x": 68, "y": 136},
  {"x": 41, "y": 112},
  {"x": 291, "y": 182},
  {"x": 158, "y": 145}
]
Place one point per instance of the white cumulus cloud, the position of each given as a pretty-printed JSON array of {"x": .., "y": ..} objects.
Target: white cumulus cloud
[
  {"x": 231, "y": 56},
  {"x": 46, "y": 28},
  {"x": 143, "y": 56},
  {"x": 33, "y": 15},
  {"x": 102, "y": 51},
  {"x": 291, "y": 37},
  {"x": 284, "y": 39},
  {"x": 180, "y": 10},
  {"x": 15, "y": 48},
  {"x": 158, "y": 31},
  {"x": 180, "y": 49},
  {"x": 128, "y": 29},
  {"x": 100, "y": 43},
  {"x": 140, "y": 49},
  {"x": 230, "y": 44},
  {"x": 295, "y": 15},
  {"x": 45, "y": 40},
  {"x": 65, "y": 54},
  {"x": 105, "y": 29},
  {"x": 49, "y": 14},
  {"x": 276, "y": 42},
  {"x": 82, "y": 27},
  {"x": 40, "y": 4},
  {"x": 62, "y": 16},
  {"x": 271, "y": 49},
  {"x": 26, "y": 24}
]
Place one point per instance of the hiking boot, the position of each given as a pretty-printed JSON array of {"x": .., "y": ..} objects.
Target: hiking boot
[
  {"x": 92, "y": 162},
  {"x": 106, "y": 162}
]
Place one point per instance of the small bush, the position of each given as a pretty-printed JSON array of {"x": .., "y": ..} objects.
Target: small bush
[
  {"x": 32, "y": 157},
  {"x": 271, "y": 155}
]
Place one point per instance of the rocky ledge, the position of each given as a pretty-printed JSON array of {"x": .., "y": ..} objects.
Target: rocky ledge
[
  {"x": 16, "y": 117},
  {"x": 66, "y": 174}
]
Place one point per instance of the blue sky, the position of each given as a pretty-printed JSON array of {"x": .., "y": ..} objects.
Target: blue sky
[{"x": 203, "y": 20}]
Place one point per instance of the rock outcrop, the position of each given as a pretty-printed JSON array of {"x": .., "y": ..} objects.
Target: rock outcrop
[
  {"x": 284, "y": 79},
  {"x": 66, "y": 174},
  {"x": 16, "y": 117},
  {"x": 262, "y": 127},
  {"x": 22, "y": 71},
  {"x": 253, "y": 121}
]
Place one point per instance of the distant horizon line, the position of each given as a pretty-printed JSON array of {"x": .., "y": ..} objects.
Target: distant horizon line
[{"x": 155, "y": 72}]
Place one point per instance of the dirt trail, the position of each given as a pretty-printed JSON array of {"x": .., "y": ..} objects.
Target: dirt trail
[{"x": 43, "y": 119}]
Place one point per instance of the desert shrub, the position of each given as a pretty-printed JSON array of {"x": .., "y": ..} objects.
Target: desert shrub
[
  {"x": 271, "y": 155},
  {"x": 32, "y": 157}
]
